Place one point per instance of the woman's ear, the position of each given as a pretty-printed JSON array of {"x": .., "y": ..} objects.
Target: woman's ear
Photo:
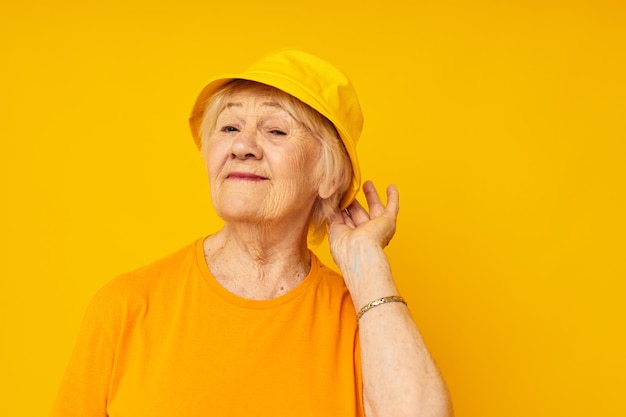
[
  {"x": 328, "y": 187},
  {"x": 330, "y": 177}
]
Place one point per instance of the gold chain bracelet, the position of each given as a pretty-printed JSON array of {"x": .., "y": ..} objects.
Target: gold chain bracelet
[{"x": 379, "y": 301}]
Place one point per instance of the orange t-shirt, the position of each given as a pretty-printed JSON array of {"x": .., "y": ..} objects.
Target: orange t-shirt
[{"x": 168, "y": 340}]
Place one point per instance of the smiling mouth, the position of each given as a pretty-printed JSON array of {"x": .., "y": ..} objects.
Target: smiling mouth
[{"x": 244, "y": 176}]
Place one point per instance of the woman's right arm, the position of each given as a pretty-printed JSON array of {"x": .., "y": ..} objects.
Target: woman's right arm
[
  {"x": 85, "y": 384},
  {"x": 400, "y": 378}
]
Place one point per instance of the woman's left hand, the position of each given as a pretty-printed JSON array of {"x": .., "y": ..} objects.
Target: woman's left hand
[{"x": 357, "y": 236}]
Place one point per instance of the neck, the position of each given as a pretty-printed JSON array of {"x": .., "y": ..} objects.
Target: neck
[{"x": 256, "y": 262}]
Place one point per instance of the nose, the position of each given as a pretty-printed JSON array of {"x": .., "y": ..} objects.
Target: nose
[{"x": 246, "y": 145}]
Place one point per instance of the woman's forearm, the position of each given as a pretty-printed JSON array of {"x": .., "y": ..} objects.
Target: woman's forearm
[{"x": 400, "y": 377}]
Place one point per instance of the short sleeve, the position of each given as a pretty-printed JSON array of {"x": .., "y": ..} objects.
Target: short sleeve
[{"x": 85, "y": 384}]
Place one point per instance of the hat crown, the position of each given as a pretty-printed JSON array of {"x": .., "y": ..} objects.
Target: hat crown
[{"x": 322, "y": 86}]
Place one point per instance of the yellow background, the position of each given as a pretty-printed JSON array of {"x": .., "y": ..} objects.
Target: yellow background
[{"x": 501, "y": 122}]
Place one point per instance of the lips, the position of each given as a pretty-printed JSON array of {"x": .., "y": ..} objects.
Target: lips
[{"x": 245, "y": 176}]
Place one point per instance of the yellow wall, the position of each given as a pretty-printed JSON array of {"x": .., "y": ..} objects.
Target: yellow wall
[{"x": 501, "y": 122}]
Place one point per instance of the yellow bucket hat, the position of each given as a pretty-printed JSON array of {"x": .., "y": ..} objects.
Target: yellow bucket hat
[{"x": 311, "y": 80}]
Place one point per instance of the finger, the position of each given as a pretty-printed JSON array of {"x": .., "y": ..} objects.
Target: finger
[
  {"x": 376, "y": 206},
  {"x": 336, "y": 218},
  {"x": 357, "y": 213},
  {"x": 393, "y": 200},
  {"x": 347, "y": 219}
]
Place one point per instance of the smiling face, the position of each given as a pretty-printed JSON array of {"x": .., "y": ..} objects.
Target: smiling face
[{"x": 262, "y": 163}]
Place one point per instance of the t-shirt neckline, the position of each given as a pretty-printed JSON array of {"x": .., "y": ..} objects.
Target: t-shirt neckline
[{"x": 301, "y": 288}]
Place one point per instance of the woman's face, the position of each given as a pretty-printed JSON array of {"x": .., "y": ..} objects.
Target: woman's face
[{"x": 262, "y": 163}]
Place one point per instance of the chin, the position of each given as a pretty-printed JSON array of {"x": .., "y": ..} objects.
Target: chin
[{"x": 240, "y": 210}]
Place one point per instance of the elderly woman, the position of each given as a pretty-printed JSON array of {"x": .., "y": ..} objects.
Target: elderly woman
[{"x": 248, "y": 321}]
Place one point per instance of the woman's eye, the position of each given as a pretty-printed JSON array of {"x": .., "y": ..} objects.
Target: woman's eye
[
  {"x": 277, "y": 132},
  {"x": 229, "y": 128}
]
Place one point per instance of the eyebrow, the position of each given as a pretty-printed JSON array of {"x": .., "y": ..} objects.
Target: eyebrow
[{"x": 265, "y": 103}]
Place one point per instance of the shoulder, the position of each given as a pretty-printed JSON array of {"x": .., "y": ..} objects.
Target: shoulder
[
  {"x": 326, "y": 273},
  {"x": 135, "y": 288},
  {"x": 331, "y": 281},
  {"x": 333, "y": 303}
]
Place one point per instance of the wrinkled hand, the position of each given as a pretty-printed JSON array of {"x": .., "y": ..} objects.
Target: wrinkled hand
[{"x": 356, "y": 228}]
